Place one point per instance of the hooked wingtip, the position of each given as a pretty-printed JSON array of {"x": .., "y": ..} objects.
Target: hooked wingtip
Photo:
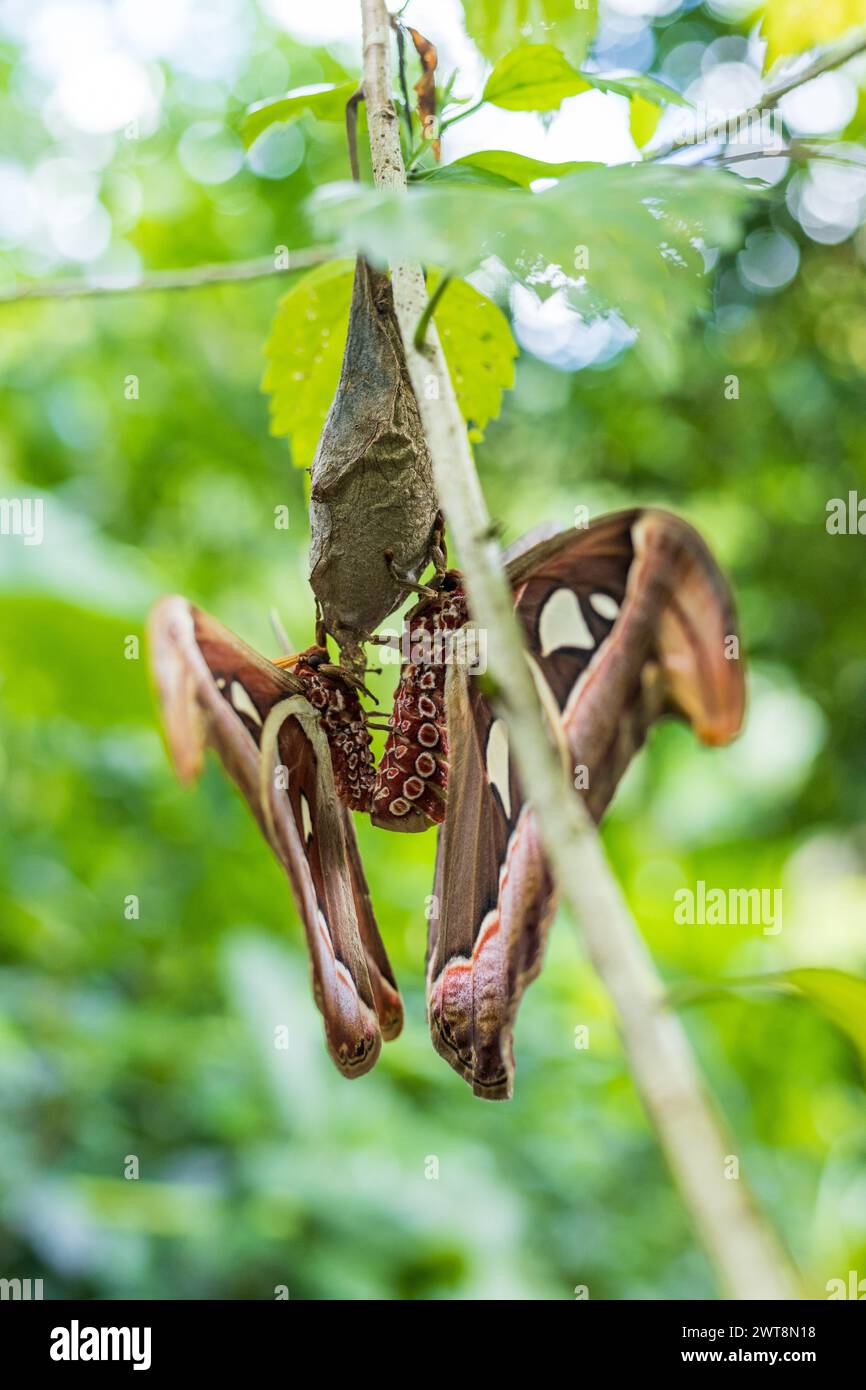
[
  {"x": 697, "y": 637},
  {"x": 170, "y": 630}
]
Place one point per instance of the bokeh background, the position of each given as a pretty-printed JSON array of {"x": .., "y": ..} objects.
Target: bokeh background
[{"x": 153, "y": 1036}]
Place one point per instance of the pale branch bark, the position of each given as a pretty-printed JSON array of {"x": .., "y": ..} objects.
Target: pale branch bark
[
  {"x": 189, "y": 278},
  {"x": 743, "y": 1249},
  {"x": 825, "y": 61}
]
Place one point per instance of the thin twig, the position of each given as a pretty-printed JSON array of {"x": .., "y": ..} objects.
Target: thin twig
[
  {"x": 352, "y": 132},
  {"x": 825, "y": 61},
  {"x": 795, "y": 151},
  {"x": 829, "y": 58},
  {"x": 743, "y": 1249},
  {"x": 284, "y": 642},
  {"x": 449, "y": 121},
  {"x": 428, "y": 312},
  {"x": 191, "y": 278}
]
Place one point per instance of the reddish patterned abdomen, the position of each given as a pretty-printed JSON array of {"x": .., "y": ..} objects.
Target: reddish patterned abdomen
[
  {"x": 345, "y": 726},
  {"x": 412, "y": 779}
]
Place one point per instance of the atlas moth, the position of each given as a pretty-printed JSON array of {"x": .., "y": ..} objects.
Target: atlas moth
[{"x": 626, "y": 621}]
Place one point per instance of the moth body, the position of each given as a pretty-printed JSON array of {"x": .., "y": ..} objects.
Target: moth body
[
  {"x": 412, "y": 780},
  {"x": 345, "y": 724}
]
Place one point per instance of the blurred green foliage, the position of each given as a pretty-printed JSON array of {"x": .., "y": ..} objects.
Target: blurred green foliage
[{"x": 152, "y": 1034}]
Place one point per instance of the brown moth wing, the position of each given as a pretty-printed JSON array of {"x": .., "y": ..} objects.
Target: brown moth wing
[
  {"x": 296, "y": 767},
  {"x": 389, "y": 1005},
  {"x": 570, "y": 591},
  {"x": 671, "y": 651},
  {"x": 554, "y": 583},
  {"x": 216, "y": 690},
  {"x": 626, "y": 621},
  {"x": 491, "y": 898}
]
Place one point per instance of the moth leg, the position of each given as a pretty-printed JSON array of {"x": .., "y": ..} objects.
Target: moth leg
[
  {"x": 404, "y": 580},
  {"x": 438, "y": 549},
  {"x": 328, "y": 669},
  {"x": 321, "y": 630}
]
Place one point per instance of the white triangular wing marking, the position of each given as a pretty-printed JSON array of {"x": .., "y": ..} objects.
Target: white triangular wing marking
[
  {"x": 497, "y": 763},
  {"x": 243, "y": 704},
  {"x": 562, "y": 623}
]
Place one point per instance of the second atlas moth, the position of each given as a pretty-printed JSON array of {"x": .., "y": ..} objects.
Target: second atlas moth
[
  {"x": 626, "y": 621},
  {"x": 295, "y": 741}
]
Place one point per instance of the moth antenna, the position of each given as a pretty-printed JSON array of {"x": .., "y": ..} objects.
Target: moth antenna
[{"x": 283, "y": 639}]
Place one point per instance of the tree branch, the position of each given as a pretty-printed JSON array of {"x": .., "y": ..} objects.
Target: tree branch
[
  {"x": 191, "y": 278},
  {"x": 743, "y": 1249},
  {"x": 836, "y": 154},
  {"x": 825, "y": 61}
]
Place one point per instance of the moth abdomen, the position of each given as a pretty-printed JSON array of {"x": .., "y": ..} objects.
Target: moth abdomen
[
  {"x": 412, "y": 779},
  {"x": 344, "y": 721}
]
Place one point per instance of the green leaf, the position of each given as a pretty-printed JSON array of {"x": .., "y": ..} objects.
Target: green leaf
[
  {"x": 535, "y": 77},
  {"x": 325, "y": 103},
  {"x": 838, "y": 995},
  {"x": 647, "y": 99},
  {"x": 622, "y": 238},
  {"x": 308, "y": 335},
  {"x": 503, "y": 167},
  {"x": 498, "y": 25},
  {"x": 638, "y": 84},
  {"x": 790, "y": 28},
  {"x": 643, "y": 119},
  {"x": 304, "y": 352},
  {"x": 480, "y": 350}
]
